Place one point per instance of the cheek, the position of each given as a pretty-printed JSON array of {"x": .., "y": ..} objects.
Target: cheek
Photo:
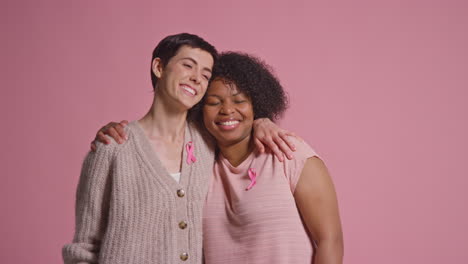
[
  {"x": 208, "y": 116},
  {"x": 248, "y": 112},
  {"x": 178, "y": 71},
  {"x": 204, "y": 87}
]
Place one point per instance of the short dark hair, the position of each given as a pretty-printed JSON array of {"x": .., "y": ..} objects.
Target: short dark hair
[
  {"x": 256, "y": 79},
  {"x": 170, "y": 45}
]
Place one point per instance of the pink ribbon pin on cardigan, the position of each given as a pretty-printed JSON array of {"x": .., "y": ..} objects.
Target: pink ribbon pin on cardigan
[
  {"x": 190, "y": 157},
  {"x": 253, "y": 178}
]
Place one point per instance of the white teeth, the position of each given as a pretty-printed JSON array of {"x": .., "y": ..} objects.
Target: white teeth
[
  {"x": 190, "y": 90},
  {"x": 229, "y": 123}
]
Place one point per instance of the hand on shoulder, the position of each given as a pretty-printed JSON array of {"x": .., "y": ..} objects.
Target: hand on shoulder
[{"x": 111, "y": 133}]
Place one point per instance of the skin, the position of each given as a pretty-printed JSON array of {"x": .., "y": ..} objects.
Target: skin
[
  {"x": 224, "y": 102},
  {"x": 316, "y": 199},
  {"x": 190, "y": 67},
  {"x": 266, "y": 135},
  {"x": 164, "y": 124},
  {"x": 314, "y": 195}
]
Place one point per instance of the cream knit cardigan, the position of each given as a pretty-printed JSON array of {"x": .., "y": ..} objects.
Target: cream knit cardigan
[{"x": 129, "y": 209}]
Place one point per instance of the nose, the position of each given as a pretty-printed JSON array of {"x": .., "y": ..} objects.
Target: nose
[
  {"x": 227, "y": 108},
  {"x": 195, "y": 77}
]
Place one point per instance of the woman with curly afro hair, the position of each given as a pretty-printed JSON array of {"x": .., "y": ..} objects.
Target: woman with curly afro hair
[{"x": 258, "y": 209}]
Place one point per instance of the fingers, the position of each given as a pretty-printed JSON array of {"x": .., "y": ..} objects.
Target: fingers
[
  {"x": 283, "y": 147},
  {"x": 285, "y": 137},
  {"x": 120, "y": 130},
  {"x": 116, "y": 131},
  {"x": 280, "y": 145},
  {"x": 105, "y": 128},
  {"x": 102, "y": 138},
  {"x": 271, "y": 144},
  {"x": 112, "y": 132},
  {"x": 289, "y": 133},
  {"x": 259, "y": 145},
  {"x": 93, "y": 146},
  {"x": 113, "y": 129}
]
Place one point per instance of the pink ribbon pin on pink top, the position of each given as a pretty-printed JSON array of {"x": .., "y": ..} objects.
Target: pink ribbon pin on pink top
[
  {"x": 190, "y": 157},
  {"x": 253, "y": 178}
]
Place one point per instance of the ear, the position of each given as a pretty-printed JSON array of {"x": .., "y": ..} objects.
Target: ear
[{"x": 157, "y": 67}]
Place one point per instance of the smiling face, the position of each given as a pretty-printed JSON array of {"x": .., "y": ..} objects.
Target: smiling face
[
  {"x": 184, "y": 79},
  {"x": 227, "y": 113}
]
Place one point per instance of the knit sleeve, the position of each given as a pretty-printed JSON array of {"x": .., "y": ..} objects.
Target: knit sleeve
[
  {"x": 92, "y": 206},
  {"x": 293, "y": 168}
]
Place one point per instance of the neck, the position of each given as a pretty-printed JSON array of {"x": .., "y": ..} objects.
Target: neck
[
  {"x": 164, "y": 121},
  {"x": 236, "y": 153}
]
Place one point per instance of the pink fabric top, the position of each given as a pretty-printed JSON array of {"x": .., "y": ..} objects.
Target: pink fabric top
[{"x": 261, "y": 224}]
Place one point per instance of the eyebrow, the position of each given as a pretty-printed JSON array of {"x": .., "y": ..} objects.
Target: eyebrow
[
  {"x": 215, "y": 95},
  {"x": 196, "y": 63}
]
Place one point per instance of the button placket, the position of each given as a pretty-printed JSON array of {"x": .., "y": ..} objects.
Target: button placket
[{"x": 182, "y": 224}]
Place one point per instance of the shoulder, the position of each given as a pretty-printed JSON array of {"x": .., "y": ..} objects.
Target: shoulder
[
  {"x": 197, "y": 130},
  {"x": 302, "y": 156},
  {"x": 202, "y": 137},
  {"x": 113, "y": 148},
  {"x": 303, "y": 149}
]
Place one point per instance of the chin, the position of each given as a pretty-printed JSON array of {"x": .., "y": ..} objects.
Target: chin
[
  {"x": 228, "y": 140},
  {"x": 221, "y": 139},
  {"x": 189, "y": 105}
]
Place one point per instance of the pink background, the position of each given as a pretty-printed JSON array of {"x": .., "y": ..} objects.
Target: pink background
[{"x": 379, "y": 88}]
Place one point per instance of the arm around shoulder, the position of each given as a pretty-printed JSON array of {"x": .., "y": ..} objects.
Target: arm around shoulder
[
  {"x": 317, "y": 202},
  {"x": 92, "y": 206}
]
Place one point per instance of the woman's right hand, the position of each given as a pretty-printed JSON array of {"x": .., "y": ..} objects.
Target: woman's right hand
[{"x": 114, "y": 130}]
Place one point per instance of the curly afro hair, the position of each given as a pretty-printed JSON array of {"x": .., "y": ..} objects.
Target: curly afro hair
[{"x": 253, "y": 77}]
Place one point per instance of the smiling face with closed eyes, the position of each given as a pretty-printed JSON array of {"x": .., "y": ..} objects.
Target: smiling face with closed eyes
[{"x": 227, "y": 113}]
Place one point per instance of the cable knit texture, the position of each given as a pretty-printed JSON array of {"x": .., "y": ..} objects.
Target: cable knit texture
[{"x": 128, "y": 207}]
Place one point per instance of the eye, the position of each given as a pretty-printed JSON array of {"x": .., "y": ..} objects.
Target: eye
[
  {"x": 188, "y": 66},
  {"x": 207, "y": 77},
  {"x": 212, "y": 102},
  {"x": 240, "y": 101}
]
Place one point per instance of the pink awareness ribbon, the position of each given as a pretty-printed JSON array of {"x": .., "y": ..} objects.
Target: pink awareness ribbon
[
  {"x": 190, "y": 157},
  {"x": 253, "y": 178}
]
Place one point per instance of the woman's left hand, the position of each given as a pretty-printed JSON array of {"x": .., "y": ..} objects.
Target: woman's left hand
[{"x": 266, "y": 133}]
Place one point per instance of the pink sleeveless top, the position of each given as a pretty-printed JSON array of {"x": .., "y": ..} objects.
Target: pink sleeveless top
[{"x": 259, "y": 224}]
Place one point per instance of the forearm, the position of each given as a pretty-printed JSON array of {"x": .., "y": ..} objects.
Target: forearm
[
  {"x": 92, "y": 205},
  {"x": 80, "y": 253},
  {"x": 329, "y": 251}
]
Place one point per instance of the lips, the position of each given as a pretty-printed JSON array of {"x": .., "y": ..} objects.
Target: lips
[
  {"x": 188, "y": 90},
  {"x": 228, "y": 124}
]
